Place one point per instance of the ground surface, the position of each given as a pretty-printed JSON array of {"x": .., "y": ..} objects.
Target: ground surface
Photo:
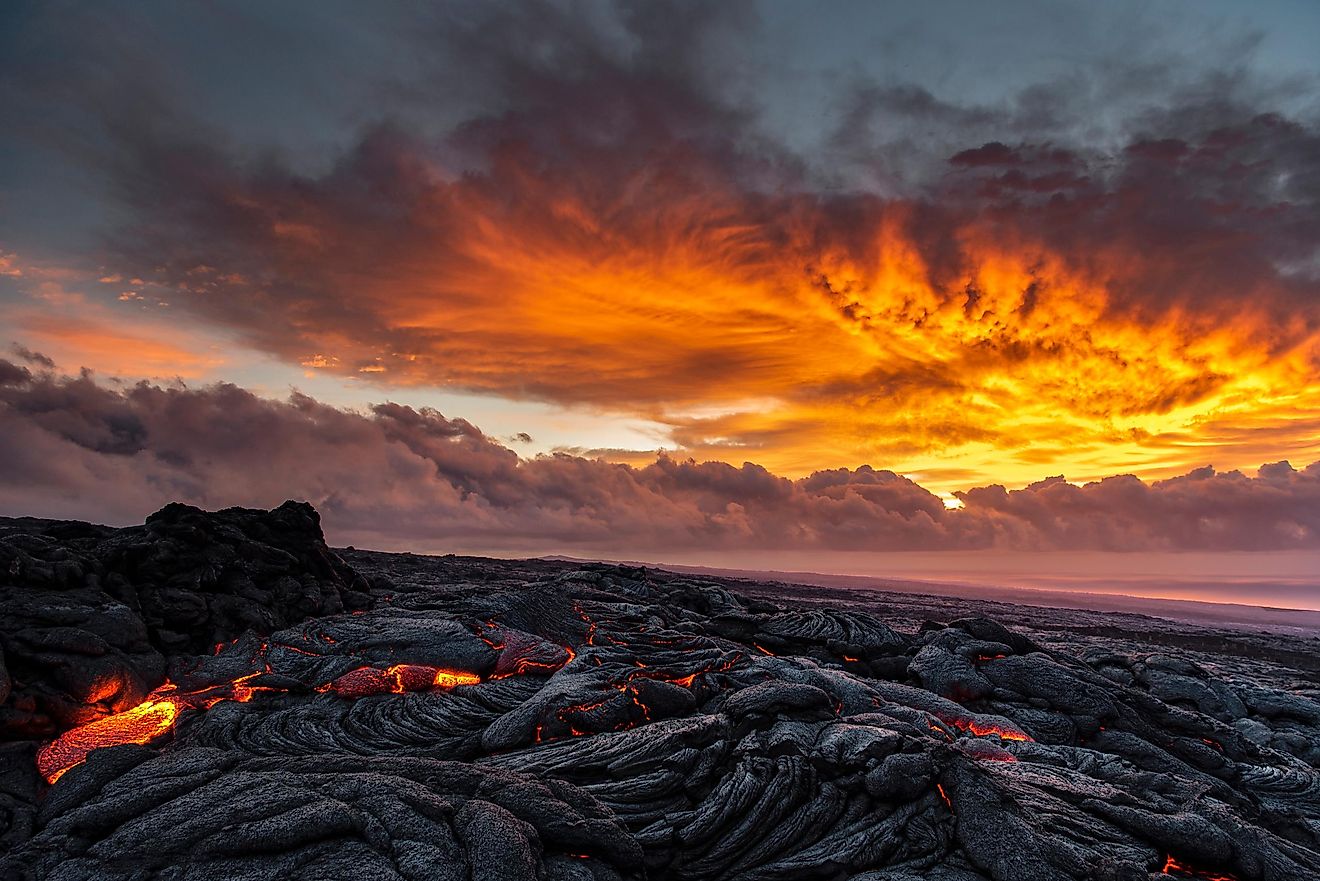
[{"x": 222, "y": 696}]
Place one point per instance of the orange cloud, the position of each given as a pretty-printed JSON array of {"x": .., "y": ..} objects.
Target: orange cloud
[
  {"x": 76, "y": 332},
  {"x": 9, "y": 265},
  {"x": 1137, "y": 315},
  {"x": 114, "y": 350}
]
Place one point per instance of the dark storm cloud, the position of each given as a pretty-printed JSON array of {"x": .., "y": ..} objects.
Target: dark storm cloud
[
  {"x": 395, "y": 476},
  {"x": 37, "y": 359},
  {"x": 1202, "y": 172},
  {"x": 13, "y": 374}
]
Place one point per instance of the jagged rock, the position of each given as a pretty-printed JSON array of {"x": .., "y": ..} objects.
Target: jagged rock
[
  {"x": 228, "y": 814},
  {"x": 200, "y": 578}
]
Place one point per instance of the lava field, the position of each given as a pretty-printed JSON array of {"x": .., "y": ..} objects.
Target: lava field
[{"x": 221, "y": 696}]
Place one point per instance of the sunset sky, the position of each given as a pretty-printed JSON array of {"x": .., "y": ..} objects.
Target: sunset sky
[{"x": 490, "y": 275}]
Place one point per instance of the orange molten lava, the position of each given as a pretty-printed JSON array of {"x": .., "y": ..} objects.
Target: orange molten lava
[
  {"x": 142, "y": 724},
  {"x": 451, "y": 678},
  {"x": 984, "y": 729},
  {"x": 156, "y": 715},
  {"x": 1177, "y": 869},
  {"x": 397, "y": 679}
]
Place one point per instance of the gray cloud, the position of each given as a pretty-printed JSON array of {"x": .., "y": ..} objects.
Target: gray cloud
[{"x": 398, "y": 476}]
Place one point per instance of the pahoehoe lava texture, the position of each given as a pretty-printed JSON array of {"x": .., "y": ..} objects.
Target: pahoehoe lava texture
[{"x": 378, "y": 716}]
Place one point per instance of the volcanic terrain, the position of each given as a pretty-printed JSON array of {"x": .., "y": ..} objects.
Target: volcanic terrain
[{"x": 221, "y": 696}]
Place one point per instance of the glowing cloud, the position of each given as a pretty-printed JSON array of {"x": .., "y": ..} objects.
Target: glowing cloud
[
  {"x": 598, "y": 220},
  {"x": 999, "y": 325}
]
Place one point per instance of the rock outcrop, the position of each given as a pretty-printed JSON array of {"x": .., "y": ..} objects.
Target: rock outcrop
[{"x": 89, "y": 615}]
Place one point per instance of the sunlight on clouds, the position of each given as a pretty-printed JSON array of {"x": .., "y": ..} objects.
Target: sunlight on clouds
[
  {"x": 790, "y": 331},
  {"x": 970, "y": 340},
  {"x": 54, "y": 314}
]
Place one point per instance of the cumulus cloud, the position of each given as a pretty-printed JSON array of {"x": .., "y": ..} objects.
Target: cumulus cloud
[{"x": 399, "y": 477}]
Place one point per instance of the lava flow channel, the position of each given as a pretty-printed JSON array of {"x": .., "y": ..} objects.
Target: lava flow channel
[
  {"x": 156, "y": 715},
  {"x": 1180, "y": 870},
  {"x": 400, "y": 678},
  {"x": 142, "y": 724},
  {"x": 985, "y": 729}
]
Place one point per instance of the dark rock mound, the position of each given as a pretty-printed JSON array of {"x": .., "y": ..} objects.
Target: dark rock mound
[{"x": 90, "y": 617}]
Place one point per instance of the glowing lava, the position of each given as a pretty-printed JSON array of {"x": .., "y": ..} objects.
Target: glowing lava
[
  {"x": 519, "y": 653},
  {"x": 142, "y": 724},
  {"x": 985, "y": 729},
  {"x": 397, "y": 679},
  {"x": 1182, "y": 870},
  {"x": 155, "y": 716},
  {"x": 574, "y": 714}
]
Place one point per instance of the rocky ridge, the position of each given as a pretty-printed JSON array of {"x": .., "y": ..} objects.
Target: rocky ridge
[{"x": 222, "y": 696}]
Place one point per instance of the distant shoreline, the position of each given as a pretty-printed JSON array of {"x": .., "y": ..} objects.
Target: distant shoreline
[{"x": 1239, "y": 615}]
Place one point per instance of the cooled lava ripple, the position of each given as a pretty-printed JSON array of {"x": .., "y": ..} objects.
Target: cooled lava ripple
[{"x": 222, "y": 697}]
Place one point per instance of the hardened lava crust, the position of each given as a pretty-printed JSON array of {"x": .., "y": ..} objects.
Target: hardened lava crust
[{"x": 221, "y": 696}]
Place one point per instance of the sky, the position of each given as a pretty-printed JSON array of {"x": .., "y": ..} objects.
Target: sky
[{"x": 669, "y": 277}]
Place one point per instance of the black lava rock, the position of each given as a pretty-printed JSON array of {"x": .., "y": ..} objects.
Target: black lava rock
[{"x": 397, "y": 717}]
